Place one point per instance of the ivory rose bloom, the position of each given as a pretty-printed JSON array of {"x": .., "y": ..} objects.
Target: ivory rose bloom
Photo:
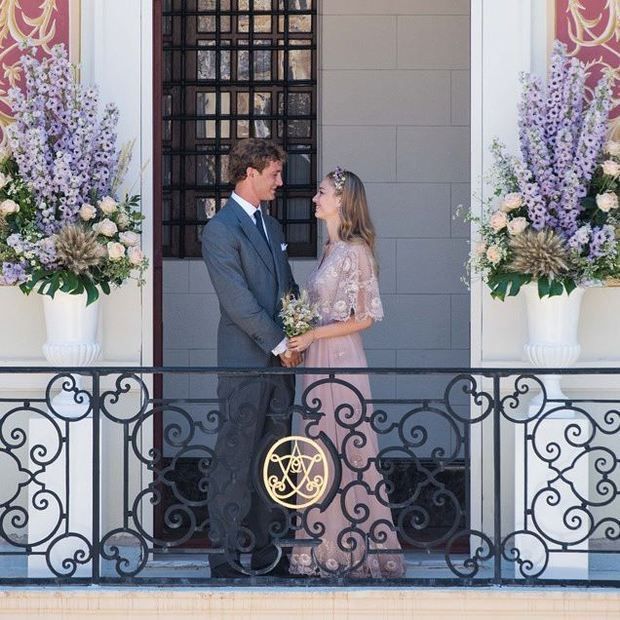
[
  {"x": 129, "y": 238},
  {"x": 613, "y": 148},
  {"x": 607, "y": 201},
  {"x": 611, "y": 168},
  {"x": 135, "y": 255},
  {"x": 4, "y": 179},
  {"x": 480, "y": 249},
  {"x": 511, "y": 201},
  {"x": 123, "y": 221},
  {"x": 494, "y": 254},
  {"x": 8, "y": 206},
  {"x": 108, "y": 205},
  {"x": 116, "y": 250},
  {"x": 105, "y": 227},
  {"x": 498, "y": 220},
  {"x": 87, "y": 212},
  {"x": 517, "y": 225}
]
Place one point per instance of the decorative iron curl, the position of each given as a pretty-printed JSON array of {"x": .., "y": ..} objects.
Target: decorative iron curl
[
  {"x": 471, "y": 565},
  {"x": 469, "y": 388},
  {"x": 528, "y": 568},
  {"x": 80, "y": 396},
  {"x": 80, "y": 554},
  {"x": 112, "y": 551},
  {"x": 123, "y": 385}
]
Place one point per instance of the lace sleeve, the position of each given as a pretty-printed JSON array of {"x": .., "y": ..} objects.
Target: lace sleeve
[{"x": 358, "y": 289}]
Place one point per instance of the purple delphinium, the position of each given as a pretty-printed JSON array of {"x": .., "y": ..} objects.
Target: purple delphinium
[
  {"x": 64, "y": 153},
  {"x": 560, "y": 145}
]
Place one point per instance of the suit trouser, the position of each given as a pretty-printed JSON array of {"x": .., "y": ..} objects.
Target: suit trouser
[{"x": 255, "y": 412}]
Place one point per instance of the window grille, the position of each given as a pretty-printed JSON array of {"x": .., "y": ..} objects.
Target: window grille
[{"x": 234, "y": 69}]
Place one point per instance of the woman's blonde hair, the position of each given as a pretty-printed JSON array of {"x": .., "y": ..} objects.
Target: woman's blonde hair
[{"x": 355, "y": 222}]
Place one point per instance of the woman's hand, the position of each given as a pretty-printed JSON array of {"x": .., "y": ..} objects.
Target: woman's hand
[{"x": 301, "y": 343}]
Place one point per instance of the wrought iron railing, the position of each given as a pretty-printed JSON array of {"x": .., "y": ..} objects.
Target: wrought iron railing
[{"x": 444, "y": 476}]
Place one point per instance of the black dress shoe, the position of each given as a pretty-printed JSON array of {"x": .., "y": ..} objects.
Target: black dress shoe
[{"x": 225, "y": 571}]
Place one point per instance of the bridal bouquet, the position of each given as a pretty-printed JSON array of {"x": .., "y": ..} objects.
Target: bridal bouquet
[
  {"x": 554, "y": 215},
  {"x": 298, "y": 314},
  {"x": 62, "y": 226}
]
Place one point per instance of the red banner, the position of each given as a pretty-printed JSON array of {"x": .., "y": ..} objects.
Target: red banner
[
  {"x": 591, "y": 30},
  {"x": 41, "y": 23}
]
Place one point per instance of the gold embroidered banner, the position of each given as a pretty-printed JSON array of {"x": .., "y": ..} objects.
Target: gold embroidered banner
[
  {"x": 41, "y": 23},
  {"x": 591, "y": 30}
]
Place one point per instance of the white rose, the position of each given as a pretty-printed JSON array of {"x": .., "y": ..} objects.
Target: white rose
[
  {"x": 105, "y": 227},
  {"x": 517, "y": 225},
  {"x": 4, "y": 179},
  {"x": 494, "y": 254},
  {"x": 613, "y": 148},
  {"x": 123, "y": 221},
  {"x": 498, "y": 220},
  {"x": 611, "y": 168},
  {"x": 8, "y": 206},
  {"x": 129, "y": 238},
  {"x": 607, "y": 201},
  {"x": 511, "y": 201},
  {"x": 135, "y": 255},
  {"x": 116, "y": 250},
  {"x": 87, "y": 212},
  {"x": 108, "y": 205},
  {"x": 480, "y": 249}
]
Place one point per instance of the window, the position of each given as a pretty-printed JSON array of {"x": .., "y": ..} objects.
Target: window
[{"x": 234, "y": 69}]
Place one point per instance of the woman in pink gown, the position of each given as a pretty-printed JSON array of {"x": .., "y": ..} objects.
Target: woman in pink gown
[{"x": 359, "y": 537}]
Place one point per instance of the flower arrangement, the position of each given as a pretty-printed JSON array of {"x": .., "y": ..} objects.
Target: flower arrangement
[
  {"x": 61, "y": 227},
  {"x": 554, "y": 213},
  {"x": 298, "y": 314}
]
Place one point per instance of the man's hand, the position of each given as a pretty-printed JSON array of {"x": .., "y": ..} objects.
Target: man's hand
[{"x": 290, "y": 359}]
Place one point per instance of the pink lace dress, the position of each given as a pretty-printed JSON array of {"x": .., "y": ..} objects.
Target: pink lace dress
[{"x": 359, "y": 537}]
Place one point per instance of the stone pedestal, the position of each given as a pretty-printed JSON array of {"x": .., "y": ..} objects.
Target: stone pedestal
[
  {"x": 60, "y": 529},
  {"x": 547, "y": 504}
]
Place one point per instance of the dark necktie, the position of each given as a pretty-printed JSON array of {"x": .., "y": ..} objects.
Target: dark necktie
[{"x": 259, "y": 224}]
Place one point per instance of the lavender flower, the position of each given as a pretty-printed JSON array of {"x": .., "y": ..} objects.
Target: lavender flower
[
  {"x": 13, "y": 273},
  {"x": 64, "y": 153}
]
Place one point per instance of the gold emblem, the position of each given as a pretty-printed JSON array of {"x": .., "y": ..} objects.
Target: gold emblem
[{"x": 299, "y": 479}]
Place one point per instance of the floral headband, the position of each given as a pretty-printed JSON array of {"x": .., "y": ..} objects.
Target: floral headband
[{"x": 339, "y": 176}]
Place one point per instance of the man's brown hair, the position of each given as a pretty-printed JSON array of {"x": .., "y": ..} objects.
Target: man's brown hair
[{"x": 255, "y": 153}]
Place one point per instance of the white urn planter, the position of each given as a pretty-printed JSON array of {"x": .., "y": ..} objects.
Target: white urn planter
[
  {"x": 553, "y": 324},
  {"x": 71, "y": 341}
]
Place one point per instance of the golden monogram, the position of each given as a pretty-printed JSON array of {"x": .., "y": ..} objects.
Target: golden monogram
[{"x": 299, "y": 479}]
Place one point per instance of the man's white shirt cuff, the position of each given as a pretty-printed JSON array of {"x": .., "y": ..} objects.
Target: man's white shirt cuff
[{"x": 281, "y": 348}]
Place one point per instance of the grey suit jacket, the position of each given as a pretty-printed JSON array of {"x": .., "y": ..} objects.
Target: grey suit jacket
[{"x": 249, "y": 281}]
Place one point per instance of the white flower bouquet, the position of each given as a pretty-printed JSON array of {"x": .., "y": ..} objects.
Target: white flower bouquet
[{"x": 298, "y": 314}]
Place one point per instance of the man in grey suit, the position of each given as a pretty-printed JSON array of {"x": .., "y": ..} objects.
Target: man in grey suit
[{"x": 245, "y": 254}]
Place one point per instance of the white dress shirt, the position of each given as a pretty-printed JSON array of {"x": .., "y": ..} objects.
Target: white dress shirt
[{"x": 250, "y": 209}]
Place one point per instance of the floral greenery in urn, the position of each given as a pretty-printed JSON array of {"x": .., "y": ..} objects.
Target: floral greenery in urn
[
  {"x": 61, "y": 226},
  {"x": 554, "y": 215}
]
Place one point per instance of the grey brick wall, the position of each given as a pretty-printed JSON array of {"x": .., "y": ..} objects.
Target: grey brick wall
[{"x": 394, "y": 84}]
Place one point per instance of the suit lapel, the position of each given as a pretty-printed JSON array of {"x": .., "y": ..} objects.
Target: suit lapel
[
  {"x": 278, "y": 256},
  {"x": 251, "y": 232}
]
